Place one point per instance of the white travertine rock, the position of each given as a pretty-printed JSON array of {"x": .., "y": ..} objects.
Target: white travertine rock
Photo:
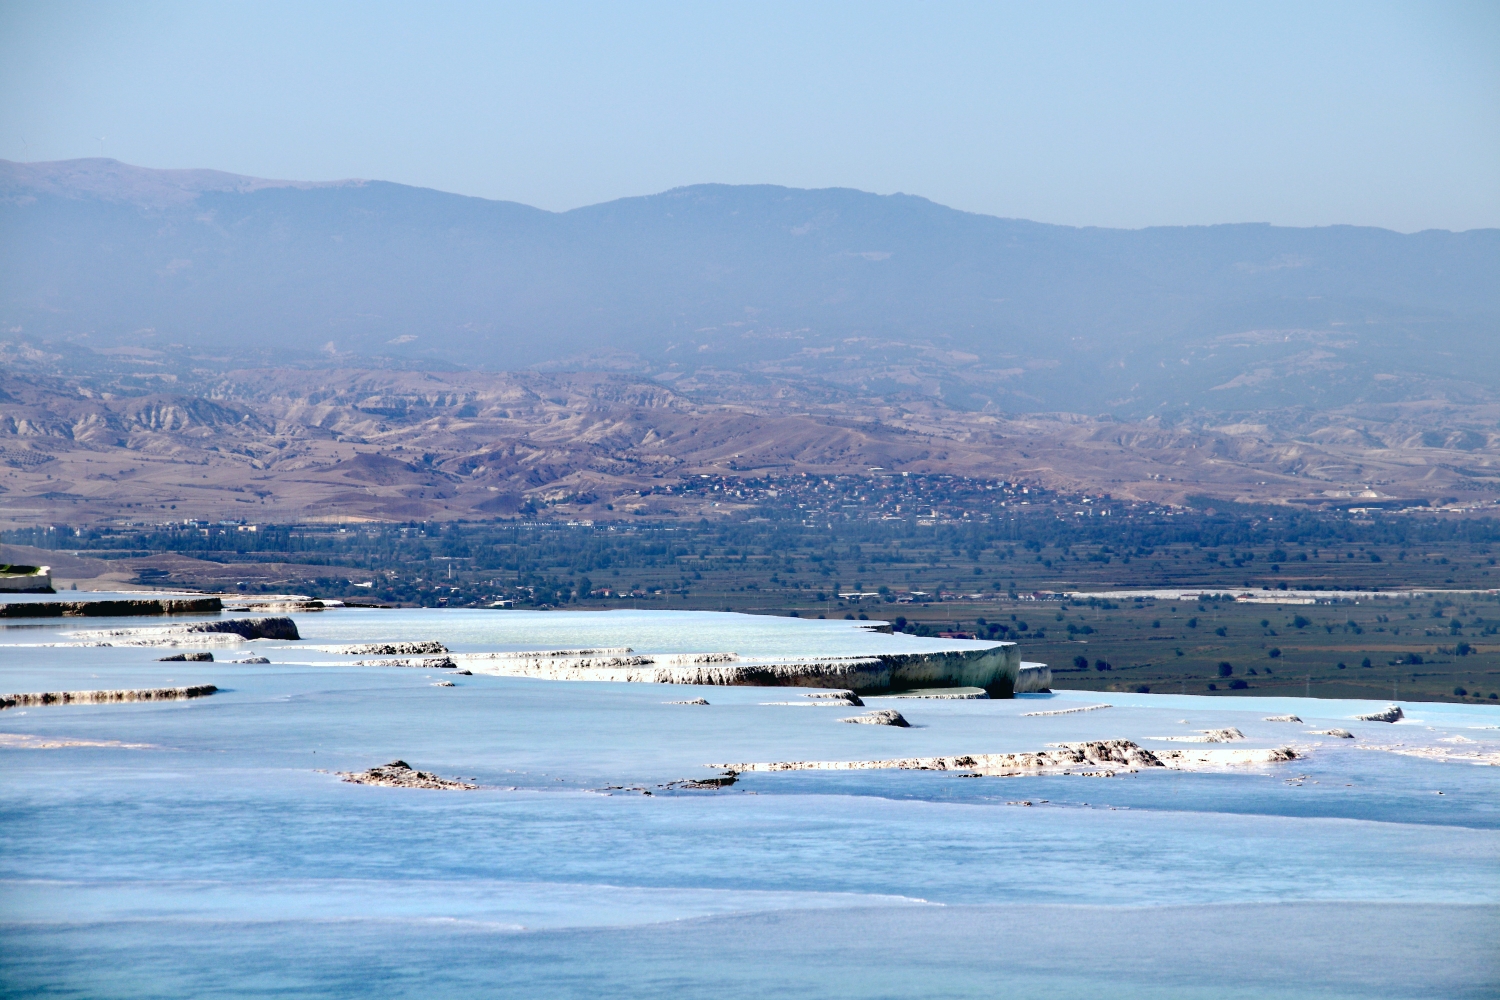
[{"x": 994, "y": 668}]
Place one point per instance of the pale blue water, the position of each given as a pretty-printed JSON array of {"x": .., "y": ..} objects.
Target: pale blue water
[{"x": 220, "y": 861}]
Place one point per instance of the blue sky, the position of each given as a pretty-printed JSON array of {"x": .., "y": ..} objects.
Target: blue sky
[{"x": 1114, "y": 114}]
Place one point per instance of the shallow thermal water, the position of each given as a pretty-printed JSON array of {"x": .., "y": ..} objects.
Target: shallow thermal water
[{"x": 206, "y": 849}]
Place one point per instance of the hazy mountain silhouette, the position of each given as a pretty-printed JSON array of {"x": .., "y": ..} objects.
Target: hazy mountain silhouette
[{"x": 881, "y": 293}]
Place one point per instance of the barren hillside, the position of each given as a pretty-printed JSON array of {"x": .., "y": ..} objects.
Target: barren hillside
[{"x": 276, "y": 444}]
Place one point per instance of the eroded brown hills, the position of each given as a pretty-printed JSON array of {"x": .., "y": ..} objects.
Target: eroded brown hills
[{"x": 303, "y": 445}]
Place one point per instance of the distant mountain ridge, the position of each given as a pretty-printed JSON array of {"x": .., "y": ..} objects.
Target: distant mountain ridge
[{"x": 877, "y": 295}]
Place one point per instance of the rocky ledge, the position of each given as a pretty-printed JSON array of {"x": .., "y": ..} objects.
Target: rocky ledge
[
  {"x": 400, "y": 774},
  {"x": 105, "y": 697}
]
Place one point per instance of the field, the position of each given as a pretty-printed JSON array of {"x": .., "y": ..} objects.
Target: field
[
  {"x": 1429, "y": 631},
  {"x": 1395, "y": 647}
]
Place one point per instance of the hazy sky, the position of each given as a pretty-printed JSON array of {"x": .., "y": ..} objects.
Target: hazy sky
[{"x": 1116, "y": 114}]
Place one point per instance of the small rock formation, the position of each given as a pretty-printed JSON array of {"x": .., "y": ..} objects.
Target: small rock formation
[
  {"x": 1342, "y": 734},
  {"x": 396, "y": 648},
  {"x": 1390, "y": 714},
  {"x": 837, "y": 697},
  {"x": 690, "y": 701},
  {"x": 251, "y": 659},
  {"x": 105, "y": 697},
  {"x": 1281, "y": 718},
  {"x": 721, "y": 781},
  {"x": 445, "y": 684},
  {"x": 880, "y": 717},
  {"x": 399, "y": 774},
  {"x": 187, "y": 657}
]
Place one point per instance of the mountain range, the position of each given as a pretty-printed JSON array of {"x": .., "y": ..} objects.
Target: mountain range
[{"x": 890, "y": 296}]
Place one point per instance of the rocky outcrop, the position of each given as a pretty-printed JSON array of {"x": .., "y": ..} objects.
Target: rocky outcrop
[
  {"x": 187, "y": 658},
  {"x": 690, "y": 701},
  {"x": 1281, "y": 718},
  {"x": 111, "y": 609},
  {"x": 724, "y": 780},
  {"x": 1342, "y": 734},
  {"x": 399, "y": 774},
  {"x": 105, "y": 697},
  {"x": 994, "y": 668},
  {"x": 880, "y": 717},
  {"x": 1390, "y": 714}
]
